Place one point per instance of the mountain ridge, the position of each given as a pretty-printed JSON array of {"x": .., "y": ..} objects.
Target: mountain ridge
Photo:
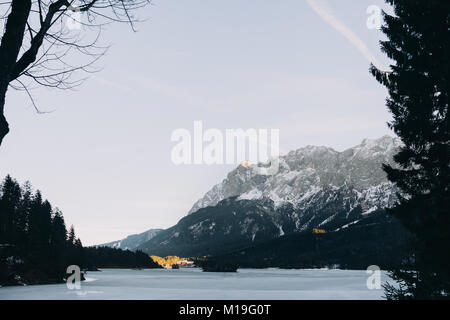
[
  {"x": 132, "y": 241},
  {"x": 315, "y": 187},
  {"x": 305, "y": 164}
]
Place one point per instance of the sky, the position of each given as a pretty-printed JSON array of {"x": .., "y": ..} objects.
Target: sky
[{"x": 103, "y": 153}]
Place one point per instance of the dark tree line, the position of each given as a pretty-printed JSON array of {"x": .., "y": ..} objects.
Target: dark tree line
[
  {"x": 419, "y": 44},
  {"x": 107, "y": 257},
  {"x": 36, "y": 247}
]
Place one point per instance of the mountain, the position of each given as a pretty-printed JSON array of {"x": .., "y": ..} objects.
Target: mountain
[
  {"x": 308, "y": 171},
  {"x": 315, "y": 187},
  {"x": 133, "y": 241}
]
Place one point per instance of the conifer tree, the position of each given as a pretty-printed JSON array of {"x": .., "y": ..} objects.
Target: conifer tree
[
  {"x": 58, "y": 245},
  {"x": 10, "y": 198},
  {"x": 40, "y": 225},
  {"x": 33, "y": 219},
  {"x": 59, "y": 232},
  {"x": 22, "y": 215},
  {"x": 418, "y": 42},
  {"x": 71, "y": 237}
]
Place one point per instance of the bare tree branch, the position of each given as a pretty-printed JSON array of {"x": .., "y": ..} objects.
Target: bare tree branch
[{"x": 38, "y": 43}]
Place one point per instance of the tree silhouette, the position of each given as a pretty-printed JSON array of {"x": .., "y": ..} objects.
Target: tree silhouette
[
  {"x": 419, "y": 44},
  {"x": 38, "y": 41},
  {"x": 9, "y": 202}
]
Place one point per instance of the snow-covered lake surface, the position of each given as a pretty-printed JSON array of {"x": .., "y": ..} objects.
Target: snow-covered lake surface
[{"x": 194, "y": 284}]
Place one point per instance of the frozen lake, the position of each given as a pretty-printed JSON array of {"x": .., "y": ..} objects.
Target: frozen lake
[{"x": 194, "y": 284}]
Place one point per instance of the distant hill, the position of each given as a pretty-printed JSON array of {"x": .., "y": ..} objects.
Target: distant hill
[{"x": 133, "y": 241}]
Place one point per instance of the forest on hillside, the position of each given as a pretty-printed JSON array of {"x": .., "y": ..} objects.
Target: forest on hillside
[{"x": 377, "y": 240}]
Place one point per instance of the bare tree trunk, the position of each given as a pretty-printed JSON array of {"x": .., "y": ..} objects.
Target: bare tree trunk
[
  {"x": 4, "y": 128},
  {"x": 10, "y": 45},
  {"x": 4, "y": 81}
]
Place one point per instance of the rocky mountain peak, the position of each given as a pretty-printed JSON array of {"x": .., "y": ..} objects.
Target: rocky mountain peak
[{"x": 308, "y": 170}]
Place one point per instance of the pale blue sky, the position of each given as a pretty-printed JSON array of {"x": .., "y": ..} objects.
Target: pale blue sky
[{"x": 103, "y": 155}]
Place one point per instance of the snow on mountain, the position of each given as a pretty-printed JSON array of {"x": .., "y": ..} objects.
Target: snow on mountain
[{"x": 305, "y": 172}]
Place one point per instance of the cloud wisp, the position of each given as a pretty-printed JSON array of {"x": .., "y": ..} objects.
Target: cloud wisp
[{"x": 323, "y": 10}]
